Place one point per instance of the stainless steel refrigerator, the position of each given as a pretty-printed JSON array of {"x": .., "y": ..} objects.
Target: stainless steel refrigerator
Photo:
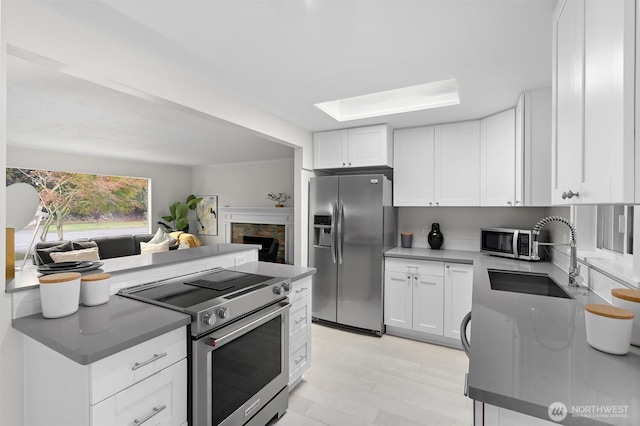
[{"x": 352, "y": 223}]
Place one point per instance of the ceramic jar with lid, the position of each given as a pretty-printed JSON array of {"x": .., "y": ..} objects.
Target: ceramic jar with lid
[
  {"x": 608, "y": 328},
  {"x": 629, "y": 299},
  {"x": 95, "y": 289},
  {"x": 60, "y": 294}
]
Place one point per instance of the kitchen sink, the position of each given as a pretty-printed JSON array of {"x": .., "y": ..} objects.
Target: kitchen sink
[{"x": 526, "y": 282}]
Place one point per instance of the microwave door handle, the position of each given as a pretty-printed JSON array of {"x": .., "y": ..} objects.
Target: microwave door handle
[{"x": 516, "y": 236}]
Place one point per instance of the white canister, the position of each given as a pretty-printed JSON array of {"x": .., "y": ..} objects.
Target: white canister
[
  {"x": 629, "y": 299},
  {"x": 60, "y": 294},
  {"x": 95, "y": 289},
  {"x": 608, "y": 328}
]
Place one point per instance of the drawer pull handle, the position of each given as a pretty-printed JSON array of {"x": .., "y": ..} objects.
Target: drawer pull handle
[
  {"x": 301, "y": 290},
  {"x": 149, "y": 361},
  {"x": 299, "y": 360},
  {"x": 155, "y": 411},
  {"x": 300, "y": 320}
]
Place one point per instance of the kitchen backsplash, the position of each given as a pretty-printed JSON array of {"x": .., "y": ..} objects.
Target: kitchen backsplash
[{"x": 461, "y": 225}]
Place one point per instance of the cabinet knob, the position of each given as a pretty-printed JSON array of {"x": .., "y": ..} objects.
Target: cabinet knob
[
  {"x": 437, "y": 203},
  {"x": 448, "y": 266},
  {"x": 570, "y": 194},
  {"x": 430, "y": 203},
  {"x": 344, "y": 164},
  {"x": 517, "y": 202},
  {"x": 349, "y": 163},
  {"x": 509, "y": 202}
]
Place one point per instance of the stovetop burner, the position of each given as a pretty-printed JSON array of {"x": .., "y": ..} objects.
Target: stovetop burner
[{"x": 220, "y": 293}]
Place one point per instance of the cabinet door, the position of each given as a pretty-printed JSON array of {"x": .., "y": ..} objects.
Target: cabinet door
[
  {"x": 397, "y": 299},
  {"x": 537, "y": 148},
  {"x": 427, "y": 303},
  {"x": 369, "y": 146},
  {"x": 457, "y": 164},
  {"x": 498, "y": 159},
  {"x": 413, "y": 161},
  {"x": 608, "y": 169},
  {"x": 458, "y": 286},
  {"x": 330, "y": 149},
  {"x": 568, "y": 94},
  {"x": 519, "y": 152}
]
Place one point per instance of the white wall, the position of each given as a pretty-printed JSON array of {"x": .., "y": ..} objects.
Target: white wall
[
  {"x": 243, "y": 185},
  {"x": 168, "y": 183},
  {"x": 461, "y": 225}
]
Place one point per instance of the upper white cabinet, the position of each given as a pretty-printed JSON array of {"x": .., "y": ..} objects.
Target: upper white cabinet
[
  {"x": 593, "y": 117},
  {"x": 437, "y": 165},
  {"x": 498, "y": 160},
  {"x": 457, "y": 164},
  {"x": 370, "y": 146},
  {"x": 533, "y": 148},
  {"x": 413, "y": 175}
]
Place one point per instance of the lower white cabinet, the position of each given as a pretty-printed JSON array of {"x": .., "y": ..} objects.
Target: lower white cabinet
[
  {"x": 490, "y": 415},
  {"x": 147, "y": 381},
  {"x": 299, "y": 329},
  {"x": 427, "y": 296}
]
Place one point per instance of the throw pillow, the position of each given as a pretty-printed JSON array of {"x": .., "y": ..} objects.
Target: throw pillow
[
  {"x": 90, "y": 254},
  {"x": 183, "y": 237},
  {"x": 44, "y": 254},
  {"x": 160, "y": 237},
  {"x": 154, "y": 248}
]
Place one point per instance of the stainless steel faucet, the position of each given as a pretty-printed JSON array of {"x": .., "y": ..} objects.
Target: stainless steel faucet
[{"x": 574, "y": 271}]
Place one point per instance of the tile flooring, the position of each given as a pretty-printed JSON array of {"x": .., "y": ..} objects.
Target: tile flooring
[{"x": 358, "y": 379}]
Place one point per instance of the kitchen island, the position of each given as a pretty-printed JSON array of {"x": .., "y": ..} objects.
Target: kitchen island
[{"x": 529, "y": 352}]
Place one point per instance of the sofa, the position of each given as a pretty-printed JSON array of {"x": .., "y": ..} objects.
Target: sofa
[{"x": 108, "y": 247}]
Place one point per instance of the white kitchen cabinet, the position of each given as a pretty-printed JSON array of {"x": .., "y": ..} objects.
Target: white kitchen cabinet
[
  {"x": 413, "y": 159},
  {"x": 370, "y": 146},
  {"x": 437, "y": 165},
  {"x": 492, "y": 415},
  {"x": 457, "y": 164},
  {"x": 148, "y": 380},
  {"x": 427, "y": 297},
  {"x": 498, "y": 159},
  {"x": 458, "y": 287},
  {"x": 428, "y": 309},
  {"x": 594, "y": 84},
  {"x": 299, "y": 329},
  {"x": 398, "y": 299},
  {"x": 533, "y": 151}
]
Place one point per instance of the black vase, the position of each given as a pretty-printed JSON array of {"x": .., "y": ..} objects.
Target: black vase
[{"x": 435, "y": 237}]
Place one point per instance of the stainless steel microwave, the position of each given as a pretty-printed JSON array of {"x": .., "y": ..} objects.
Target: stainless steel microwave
[{"x": 513, "y": 243}]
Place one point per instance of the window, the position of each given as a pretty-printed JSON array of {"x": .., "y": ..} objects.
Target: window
[
  {"x": 79, "y": 205},
  {"x": 615, "y": 228}
]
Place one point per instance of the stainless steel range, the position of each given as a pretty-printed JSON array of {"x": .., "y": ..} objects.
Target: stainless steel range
[{"x": 240, "y": 338}]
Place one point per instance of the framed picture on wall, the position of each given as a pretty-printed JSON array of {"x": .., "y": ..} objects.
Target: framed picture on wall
[{"x": 207, "y": 215}]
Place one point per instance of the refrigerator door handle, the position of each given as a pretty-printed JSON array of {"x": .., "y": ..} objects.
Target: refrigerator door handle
[
  {"x": 333, "y": 232},
  {"x": 340, "y": 230}
]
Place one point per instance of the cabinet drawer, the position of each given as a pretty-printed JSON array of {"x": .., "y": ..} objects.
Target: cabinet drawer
[
  {"x": 300, "y": 288},
  {"x": 299, "y": 357},
  {"x": 160, "y": 399},
  {"x": 299, "y": 318},
  {"x": 424, "y": 267},
  {"x": 121, "y": 370}
]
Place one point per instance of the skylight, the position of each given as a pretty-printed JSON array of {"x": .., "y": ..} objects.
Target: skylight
[{"x": 415, "y": 98}]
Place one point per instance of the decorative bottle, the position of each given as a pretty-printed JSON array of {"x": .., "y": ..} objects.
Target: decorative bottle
[{"x": 435, "y": 237}]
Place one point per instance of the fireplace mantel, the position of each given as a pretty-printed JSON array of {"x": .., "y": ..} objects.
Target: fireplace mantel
[{"x": 260, "y": 215}]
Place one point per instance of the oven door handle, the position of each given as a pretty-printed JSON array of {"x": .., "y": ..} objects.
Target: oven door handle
[{"x": 245, "y": 328}]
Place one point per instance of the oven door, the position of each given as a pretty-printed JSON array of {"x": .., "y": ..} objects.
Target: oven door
[{"x": 239, "y": 368}]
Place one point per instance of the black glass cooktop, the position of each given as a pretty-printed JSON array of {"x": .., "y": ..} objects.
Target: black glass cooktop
[{"x": 204, "y": 288}]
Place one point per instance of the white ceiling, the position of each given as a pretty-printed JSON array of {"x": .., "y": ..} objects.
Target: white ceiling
[{"x": 284, "y": 56}]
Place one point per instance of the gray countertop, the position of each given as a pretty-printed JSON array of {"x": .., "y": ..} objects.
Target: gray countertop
[
  {"x": 28, "y": 278},
  {"x": 454, "y": 256},
  {"x": 275, "y": 270},
  {"x": 530, "y": 351},
  {"x": 96, "y": 332}
]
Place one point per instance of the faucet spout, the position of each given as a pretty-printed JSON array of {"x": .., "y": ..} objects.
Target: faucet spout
[{"x": 574, "y": 270}]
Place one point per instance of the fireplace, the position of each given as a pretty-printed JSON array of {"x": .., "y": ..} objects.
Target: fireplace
[
  {"x": 260, "y": 233},
  {"x": 260, "y": 222}
]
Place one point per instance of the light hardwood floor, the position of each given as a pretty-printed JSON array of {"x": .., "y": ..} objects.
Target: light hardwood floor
[{"x": 357, "y": 379}]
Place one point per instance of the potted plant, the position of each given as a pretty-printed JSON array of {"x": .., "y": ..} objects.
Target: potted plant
[{"x": 180, "y": 214}]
